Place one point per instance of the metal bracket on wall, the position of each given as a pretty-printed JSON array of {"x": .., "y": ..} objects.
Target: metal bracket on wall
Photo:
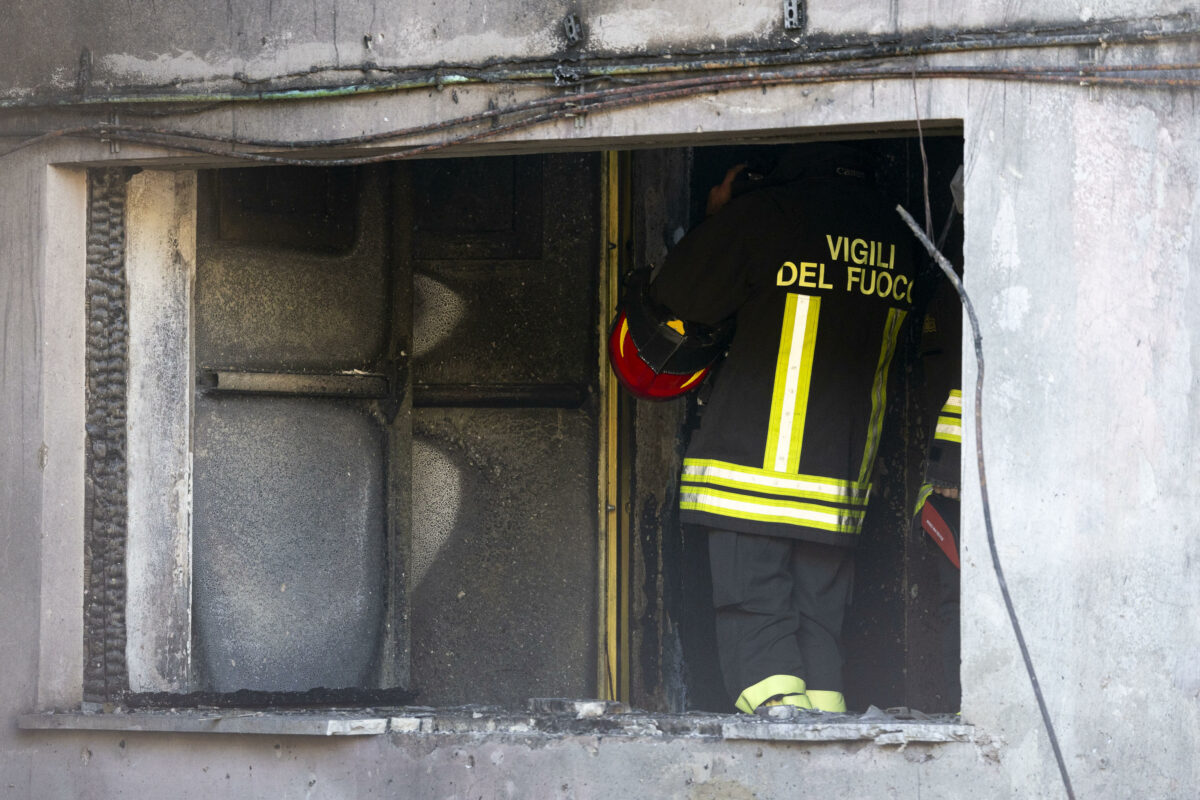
[
  {"x": 1087, "y": 61},
  {"x": 793, "y": 14},
  {"x": 114, "y": 146},
  {"x": 573, "y": 29}
]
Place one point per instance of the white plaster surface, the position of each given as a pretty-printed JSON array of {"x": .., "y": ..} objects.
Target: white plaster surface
[
  {"x": 631, "y": 28},
  {"x": 160, "y": 270},
  {"x": 1087, "y": 246},
  {"x": 60, "y": 455}
]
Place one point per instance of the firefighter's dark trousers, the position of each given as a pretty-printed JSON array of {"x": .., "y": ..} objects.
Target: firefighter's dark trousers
[
  {"x": 779, "y": 610},
  {"x": 948, "y": 609}
]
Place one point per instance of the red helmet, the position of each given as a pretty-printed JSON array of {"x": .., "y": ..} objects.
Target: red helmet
[{"x": 657, "y": 356}]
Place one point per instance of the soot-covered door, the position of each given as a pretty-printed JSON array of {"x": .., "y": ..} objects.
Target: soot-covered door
[
  {"x": 396, "y": 429},
  {"x": 301, "y": 432},
  {"x": 504, "y": 255}
]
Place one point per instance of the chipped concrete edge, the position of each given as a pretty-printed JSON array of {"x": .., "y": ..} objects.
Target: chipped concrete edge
[{"x": 421, "y": 723}]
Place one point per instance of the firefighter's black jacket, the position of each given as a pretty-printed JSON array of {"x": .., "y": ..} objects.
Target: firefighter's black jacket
[
  {"x": 941, "y": 359},
  {"x": 819, "y": 273}
]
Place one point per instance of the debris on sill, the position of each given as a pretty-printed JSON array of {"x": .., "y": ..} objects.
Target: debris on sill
[{"x": 545, "y": 717}]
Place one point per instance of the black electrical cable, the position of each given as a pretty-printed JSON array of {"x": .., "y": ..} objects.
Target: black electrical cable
[
  {"x": 924, "y": 161},
  {"x": 947, "y": 268},
  {"x": 706, "y": 82},
  {"x": 647, "y": 92},
  {"x": 813, "y": 49},
  {"x": 542, "y": 110}
]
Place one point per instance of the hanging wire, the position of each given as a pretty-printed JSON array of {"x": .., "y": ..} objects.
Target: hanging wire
[
  {"x": 977, "y": 337},
  {"x": 924, "y": 162},
  {"x": 948, "y": 269}
]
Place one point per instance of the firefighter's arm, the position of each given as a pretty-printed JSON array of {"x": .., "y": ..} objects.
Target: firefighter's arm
[
  {"x": 705, "y": 277},
  {"x": 941, "y": 349},
  {"x": 668, "y": 333},
  {"x": 720, "y": 195}
]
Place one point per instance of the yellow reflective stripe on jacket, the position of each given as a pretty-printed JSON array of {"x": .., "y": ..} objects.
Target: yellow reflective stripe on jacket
[
  {"x": 949, "y": 429},
  {"x": 949, "y": 423},
  {"x": 922, "y": 495},
  {"x": 763, "y": 509},
  {"x": 793, "y": 377},
  {"x": 812, "y": 487},
  {"x": 887, "y": 347}
]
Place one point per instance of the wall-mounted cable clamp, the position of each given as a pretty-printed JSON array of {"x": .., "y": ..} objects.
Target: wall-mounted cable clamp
[
  {"x": 573, "y": 29},
  {"x": 793, "y": 15}
]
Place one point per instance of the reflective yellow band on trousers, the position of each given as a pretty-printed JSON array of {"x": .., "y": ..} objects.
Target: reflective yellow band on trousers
[
  {"x": 827, "y": 701},
  {"x": 762, "y": 509},
  {"x": 811, "y": 487},
  {"x": 754, "y": 696}
]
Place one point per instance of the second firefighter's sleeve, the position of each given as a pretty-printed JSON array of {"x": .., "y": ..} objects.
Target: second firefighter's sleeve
[{"x": 941, "y": 356}]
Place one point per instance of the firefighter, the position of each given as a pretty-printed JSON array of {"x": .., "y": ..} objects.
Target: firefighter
[
  {"x": 937, "y": 506},
  {"x": 812, "y": 274}
]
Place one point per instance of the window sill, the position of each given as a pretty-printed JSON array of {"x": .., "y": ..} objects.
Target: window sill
[{"x": 546, "y": 718}]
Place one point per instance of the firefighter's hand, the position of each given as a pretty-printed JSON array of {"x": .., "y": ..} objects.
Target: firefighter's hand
[
  {"x": 946, "y": 491},
  {"x": 719, "y": 195}
]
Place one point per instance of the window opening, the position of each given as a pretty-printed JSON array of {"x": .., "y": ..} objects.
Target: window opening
[{"x": 406, "y": 355}]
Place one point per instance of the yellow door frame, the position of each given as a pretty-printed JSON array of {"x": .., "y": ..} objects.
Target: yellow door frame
[{"x": 614, "y": 634}]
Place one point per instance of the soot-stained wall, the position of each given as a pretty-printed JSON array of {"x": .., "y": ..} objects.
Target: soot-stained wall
[{"x": 1079, "y": 244}]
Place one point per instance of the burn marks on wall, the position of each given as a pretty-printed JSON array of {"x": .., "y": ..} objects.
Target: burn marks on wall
[{"x": 107, "y": 353}]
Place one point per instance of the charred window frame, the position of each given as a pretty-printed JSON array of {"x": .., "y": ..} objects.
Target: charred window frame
[{"x": 105, "y": 533}]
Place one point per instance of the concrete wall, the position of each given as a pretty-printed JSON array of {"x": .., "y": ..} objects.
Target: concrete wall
[
  {"x": 454, "y": 766},
  {"x": 70, "y": 47},
  {"x": 1086, "y": 248},
  {"x": 1083, "y": 207}
]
